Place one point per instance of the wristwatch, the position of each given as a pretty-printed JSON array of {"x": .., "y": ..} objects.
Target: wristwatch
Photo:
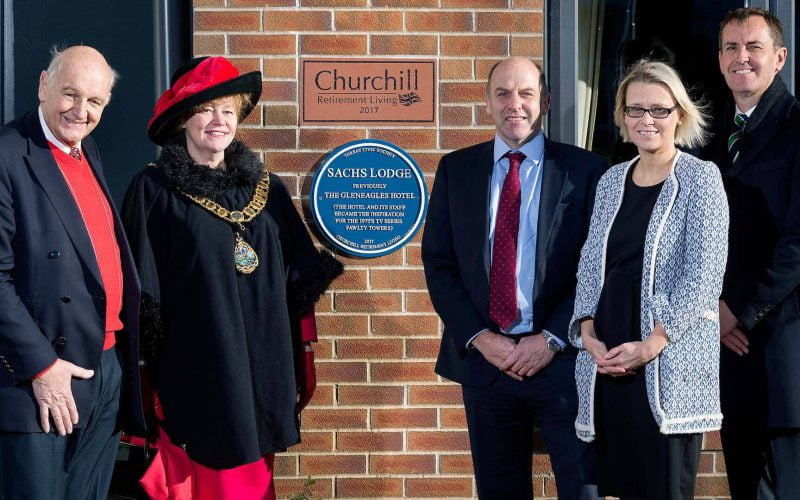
[{"x": 552, "y": 343}]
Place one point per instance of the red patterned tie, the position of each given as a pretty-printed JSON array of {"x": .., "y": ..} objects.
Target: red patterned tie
[
  {"x": 75, "y": 153},
  {"x": 503, "y": 278}
]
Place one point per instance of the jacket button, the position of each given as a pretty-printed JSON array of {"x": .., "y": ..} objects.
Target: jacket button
[
  {"x": 60, "y": 341},
  {"x": 66, "y": 299},
  {"x": 53, "y": 254}
]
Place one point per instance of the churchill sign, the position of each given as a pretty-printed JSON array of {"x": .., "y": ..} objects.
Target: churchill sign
[
  {"x": 368, "y": 92},
  {"x": 368, "y": 198}
]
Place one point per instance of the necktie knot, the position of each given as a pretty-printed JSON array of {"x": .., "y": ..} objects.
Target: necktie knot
[
  {"x": 75, "y": 153},
  {"x": 515, "y": 159}
]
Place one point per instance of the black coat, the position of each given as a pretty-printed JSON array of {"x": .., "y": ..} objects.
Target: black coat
[
  {"x": 455, "y": 253},
  {"x": 221, "y": 344},
  {"x": 762, "y": 280},
  {"x": 52, "y": 302}
]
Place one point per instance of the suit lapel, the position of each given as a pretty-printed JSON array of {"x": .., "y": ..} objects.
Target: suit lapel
[
  {"x": 43, "y": 166},
  {"x": 479, "y": 178},
  {"x": 554, "y": 174}
]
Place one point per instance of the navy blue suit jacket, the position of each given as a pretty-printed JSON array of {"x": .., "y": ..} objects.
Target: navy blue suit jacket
[
  {"x": 52, "y": 302},
  {"x": 455, "y": 252}
]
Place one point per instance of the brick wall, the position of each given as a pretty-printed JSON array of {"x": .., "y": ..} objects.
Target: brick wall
[{"x": 382, "y": 423}]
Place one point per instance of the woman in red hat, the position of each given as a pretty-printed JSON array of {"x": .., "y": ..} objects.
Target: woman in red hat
[{"x": 229, "y": 278}]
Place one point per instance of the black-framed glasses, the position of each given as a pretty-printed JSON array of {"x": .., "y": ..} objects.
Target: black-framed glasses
[{"x": 637, "y": 112}]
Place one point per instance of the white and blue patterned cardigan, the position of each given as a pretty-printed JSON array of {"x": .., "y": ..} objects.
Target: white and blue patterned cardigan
[{"x": 685, "y": 250}]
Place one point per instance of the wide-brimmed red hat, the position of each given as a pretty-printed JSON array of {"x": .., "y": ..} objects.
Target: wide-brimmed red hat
[{"x": 200, "y": 80}]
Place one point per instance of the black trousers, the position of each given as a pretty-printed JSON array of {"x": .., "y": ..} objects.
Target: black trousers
[
  {"x": 501, "y": 419},
  {"x": 77, "y": 466}
]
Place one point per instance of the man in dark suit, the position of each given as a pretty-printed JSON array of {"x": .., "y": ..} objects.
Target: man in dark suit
[
  {"x": 757, "y": 147},
  {"x": 501, "y": 254},
  {"x": 67, "y": 288}
]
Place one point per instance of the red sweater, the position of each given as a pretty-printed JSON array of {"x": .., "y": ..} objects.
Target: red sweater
[{"x": 99, "y": 220}]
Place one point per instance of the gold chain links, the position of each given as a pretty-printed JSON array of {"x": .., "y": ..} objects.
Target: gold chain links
[{"x": 247, "y": 214}]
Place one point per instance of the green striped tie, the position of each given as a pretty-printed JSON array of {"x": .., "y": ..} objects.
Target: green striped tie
[{"x": 733, "y": 139}]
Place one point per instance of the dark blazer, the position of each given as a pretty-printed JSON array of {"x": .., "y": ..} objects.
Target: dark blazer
[
  {"x": 52, "y": 302},
  {"x": 455, "y": 253},
  {"x": 762, "y": 280}
]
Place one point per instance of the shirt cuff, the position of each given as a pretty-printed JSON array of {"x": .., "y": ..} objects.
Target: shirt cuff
[
  {"x": 469, "y": 342},
  {"x": 555, "y": 337}
]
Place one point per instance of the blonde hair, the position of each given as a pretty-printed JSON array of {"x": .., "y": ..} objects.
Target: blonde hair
[
  {"x": 690, "y": 132},
  {"x": 241, "y": 103}
]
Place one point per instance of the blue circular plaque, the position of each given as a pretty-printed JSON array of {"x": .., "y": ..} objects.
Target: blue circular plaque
[{"x": 368, "y": 198}]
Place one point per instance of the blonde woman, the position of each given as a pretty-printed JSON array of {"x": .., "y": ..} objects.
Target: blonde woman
[{"x": 646, "y": 314}]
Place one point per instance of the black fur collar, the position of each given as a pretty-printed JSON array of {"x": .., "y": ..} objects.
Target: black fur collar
[{"x": 242, "y": 168}]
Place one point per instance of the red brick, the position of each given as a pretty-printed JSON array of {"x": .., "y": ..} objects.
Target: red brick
[
  {"x": 370, "y": 487},
  {"x": 527, "y": 4},
  {"x": 706, "y": 465},
  {"x": 413, "y": 255},
  {"x": 407, "y": 138},
  {"x": 467, "y": 4},
  {"x": 419, "y": 302},
  {"x": 260, "y": 138},
  {"x": 440, "y": 21},
  {"x": 422, "y": 348},
  {"x": 405, "y": 3},
  {"x": 527, "y": 46},
  {"x": 405, "y": 325},
  {"x": 369, "y": 441},
  {"x": 297, "y": 20},
  {"x": 324, "y": 303},
  {"x": 453, "y": 418},
  {"x": 282, "y": 114},
  {"x": 333, "y": 3},
  {"x": 323, "y": 395},
  {"x": 337, "y": 371},
  {"x": 461, "y": 138},
  {"x": 474, "y": 45},
  {"x": 321, "y": 487},
  {"x": 712, "y": 441},
  {"x": 455, "y": 464},
  {"x": 333, "y": 44},
  {"x": 402, "y": 372},
  {"x": 435, "y": 394},
  {"x": 397, "y": 278},
  {"x": 455, "y": 69},
  {"x": 261, "y": 3},
  {"x": 209, "y": 44},
  {"x": 291, "y": 161},
  {"x": 367, "y": 302},
  {"x": 369, "y": 349},
  {"x": 402, "y": 418},
  {"x": 370, "y": 395},
  {"x": 350, "y": 279},
  {"x": 462, "y": 92},
  {"x": 317, "y": 465},
  {"x": 326, "y": 138},
  {"x": 278, "y": 91},
  {"x": 439, "y": 487},
  {"x": 381, "y": 20},
  {"x": 290, "y": 181},
  {"x": 483, "y": 66},
  {"x": 711, "y": 486},
  {"x": 285, "y": 465},
  {"x": 403, "y": 44},
  {"x": 482, "y": 117},
  {"x": 428, "y": 161},
  {"x": 263, "y": 44},
  {"x": 254, "y": 118},
  {"x": 246, "y": 64},
  {"x": 208, "y": 3},
  {"x": 231, "y": 20},
  {"x": 402, "y": 464},
  {"x": 323, "y": 349},
  {"x": 342, "y": 325},
  {"x": 509, "y": 22},
  {"x": 438, "y": 441},
  {"x": 456, "y": 116},
  {"x": 279, "y": 68},
  {"x": 314, "y": 441}
]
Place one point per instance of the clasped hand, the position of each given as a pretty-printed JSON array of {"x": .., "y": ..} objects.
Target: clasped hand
[
  {"x": 517, "y": 360},
  {"x": 627, "y": 358}
]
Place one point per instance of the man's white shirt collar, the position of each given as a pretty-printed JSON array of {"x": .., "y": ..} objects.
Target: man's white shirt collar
[{"x": 50, "y": 137}]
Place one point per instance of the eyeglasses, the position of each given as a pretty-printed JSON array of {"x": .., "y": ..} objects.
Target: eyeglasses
[{"x": 637, "y": 112}]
